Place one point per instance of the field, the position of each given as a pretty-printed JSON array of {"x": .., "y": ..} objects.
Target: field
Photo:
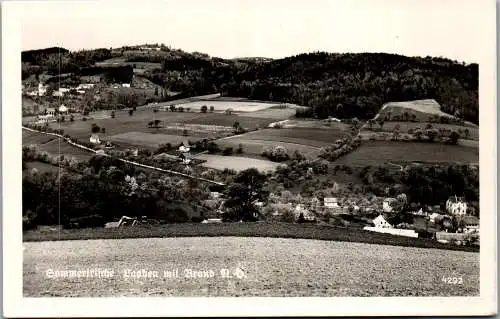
[
  {"x": 36, "y": 138},
  {"x": 405, "y": 126},
  {"x": 274, "y": 113},
  {"x": 376, "y": 153},
  {"x": 267, "y": 267},
  {"x": 255, "y": 147},
  {"x": 148, "y": 139},
  {"x": 228, "y": 120},
  {"x": 62, "y": 148},
  {"x": 221, "y": 106},
  {"x": 306, "y": 136},
  {"x": 40, "y": 167},
  {"x": 237, "y": 163}
]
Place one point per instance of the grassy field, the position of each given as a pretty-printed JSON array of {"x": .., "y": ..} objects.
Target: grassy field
[
  {"x": 228, "y": 120},
  {"x": 266, "y": 267},
  {"x": 40, "y": 167},
  {"x": 62, "y": 148},
  {"x": 306, "y": 136},
  {"x": 380, "y": 152},
  {"x": 237, "y": 163},
  {"x": 36, "y": 138},
  {"x": 274, "y": 113},
  {"x": 255, "y": 147},
  {"x": 237, "y": 106},
  {"x": 148, "y": 139},
  {"x": 405, "y": 126}
]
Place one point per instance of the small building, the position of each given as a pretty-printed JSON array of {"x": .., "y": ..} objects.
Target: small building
[
  {"x": 471, "y": 224},
  {"x": 63, "y": 109},
  {"x": 330, "y": 202},
  {"x": 94, "y": 139},
  {"x": 126, "y": 85},
  {"x": 215, "y": 195},
  {"x": 456, "y": 206},
  {"x": 308, "y": 216},
  {"x": 50, "y": 111},
  {"x": 380, "y": 222},
  {"x": 433, "y": 216},
  {"x": 387, "y": 204}
]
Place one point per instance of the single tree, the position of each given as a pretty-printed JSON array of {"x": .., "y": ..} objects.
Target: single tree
[
  {"x": 156, "y": 91},
  {"x": 71, "y": 118},
  {"x": 157, "y": 123},
  {"x": 95, "y": 128},
  {"x": 454, "y": 136},
  {"x": 204, "y": 109},
  {"x": 150, "y": 123},
  {"x": 131, "y": 112},
  {"x": 112, "y": 114},
  {"x": 185, "y": 132},
  {"x": 103, "y": 130},
  {"x": 246, "y": 189},
  {"x": 212, "y": 109},
  {"x": 172, "y": 108}
]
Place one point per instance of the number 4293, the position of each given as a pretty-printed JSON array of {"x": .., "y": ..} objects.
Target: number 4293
[{"x": 452, "y": 280}]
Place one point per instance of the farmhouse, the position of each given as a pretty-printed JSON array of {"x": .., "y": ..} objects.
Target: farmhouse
[
  {"x": 380, "y": 222},
  {"x": 94, "y": 138},
  {"x": 433, "y": 216},
  {"x": 386, "y": 205},
  {"x": 126, "y": 85},
  {"x": 331, "y": 202},
  {"x": 308, "y": 216},
  {"x": 50, "y": 111},
  {"x": 456, "y": 206},
  {"x": 471, "y": 224},
  {"x": 63, "y": 109}
]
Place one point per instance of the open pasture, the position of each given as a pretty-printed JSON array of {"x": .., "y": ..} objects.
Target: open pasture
[
  {"x": 236, "y": 163},
  {"x": 255, "y": 147},
  {"x": 306, "y": 136},
  {"x": 236, "y": 106},
  {"x": 269, "y": 267},
  {"x": 405, "y": 126},
  {"x": 36, "y": 138},
  {"x": 148, "y": 139},
  {"x": 381, "y": 152},
  {"x": 218, "y": 119},
  {"x": 60, "y": 147},
  {"x": 274, "y": 113}
]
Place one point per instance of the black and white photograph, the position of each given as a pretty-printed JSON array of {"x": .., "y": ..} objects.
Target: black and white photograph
[{"x": 316, "y": 152}]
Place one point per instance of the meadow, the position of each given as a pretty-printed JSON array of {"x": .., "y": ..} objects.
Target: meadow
[
  {"x": 380, "y": 152},
  {"x": 237, "y": 163},
  {"x": 405, "y": 126},
  {"x": 266, "y": 267},
  {"x": 254, "y": 147},
  {"x": 148, "y": 139}
]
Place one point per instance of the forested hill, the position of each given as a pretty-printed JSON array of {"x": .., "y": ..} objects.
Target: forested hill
[
  {"x": 340, "y": 85},
  {"x": 346, "y": 85}
]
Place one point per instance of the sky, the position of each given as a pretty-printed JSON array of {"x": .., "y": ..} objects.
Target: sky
[{"x": 262, "y": 28}]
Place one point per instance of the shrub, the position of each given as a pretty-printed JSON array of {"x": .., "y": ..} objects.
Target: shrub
[
  {"x": 212, "y": 109},
  {"x": 239, "y": 150},
  {"x": 181, "y": 109},
  {"x": 84, "y": 118},
  {"x": 227, "y": 151},
  {"x": 204, "y": 109},
  {"x": 185, "y": 132},
  {"x": 213, "y": 148}
]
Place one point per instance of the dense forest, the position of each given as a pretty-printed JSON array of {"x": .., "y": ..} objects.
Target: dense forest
[{"x": 339, "y": 85}]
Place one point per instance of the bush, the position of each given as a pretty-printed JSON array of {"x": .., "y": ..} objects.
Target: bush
[
  {"x": 84, "y": 118},
  {"x": 213, "y": 148},
  {"x": 239, "y": 150},
  {"x": 227, "y": 151}
]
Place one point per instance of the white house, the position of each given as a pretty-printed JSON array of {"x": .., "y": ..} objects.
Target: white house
[
  {"x": 63, "y": 109},
  {"x": 126, "y": 85},
  {"x": 380, "y": 222},
  {"x": 51, "y": 111},
  {"x": 386, "y": 205},
  {"x": 433, "y": 216},
  {"x": 330, "y": 202},
  {"x": 456, "y": 206},
  {"x": 94, "y": 138},
  {"x": 308, "y": 216},
  {"x": 471, "y": 224},
  {"x": 85, "y": 86},
  {"x": 42, "y": 89}
]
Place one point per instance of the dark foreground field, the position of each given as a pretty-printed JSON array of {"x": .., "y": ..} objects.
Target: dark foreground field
[
  {"x": 236, "y": 266},
  {"x": 259, "y": 229}
]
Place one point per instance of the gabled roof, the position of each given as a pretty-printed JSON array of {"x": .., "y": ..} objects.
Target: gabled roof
[{"x": 471, "y": 220}]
